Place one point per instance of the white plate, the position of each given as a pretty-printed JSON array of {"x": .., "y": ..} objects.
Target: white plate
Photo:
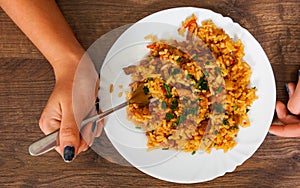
[{"x": 169, "y": 165}]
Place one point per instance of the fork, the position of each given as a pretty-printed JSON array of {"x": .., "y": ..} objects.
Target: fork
[{"x": 50, "y": 141}]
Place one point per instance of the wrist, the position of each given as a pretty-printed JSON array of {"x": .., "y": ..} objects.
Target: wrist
[{"x": 65, "y": 67}]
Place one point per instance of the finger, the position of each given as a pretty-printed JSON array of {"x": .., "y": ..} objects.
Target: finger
[
  {"x": 48, "y": 124},
  {"x": 57, "y": 148},
  {"x": 90, "y": 135},
  {"x": 69, "y": 136},
  {"x": 294, "y": 102},
  {"x": 290, "y": 88},
  {"x": 99, "y": 128},
  {"x": 50, "y": 118},
  {"x": 87, "y": 133},
  {"x": 283, "y": 115},
  {"x": 91, "y": 131},
  {"x": 83, "y": 146},
  {"x": 88, "y": 130},
  {"x": 291, "y": 130},
  {"x": 99, "y": 123}
]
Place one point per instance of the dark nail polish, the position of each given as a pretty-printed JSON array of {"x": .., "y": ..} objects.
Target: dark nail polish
[
  {"x": 97, "y": 105},
  {"x": 299, "y": 73},
  {"x": 287, "y": 88},
  {"x": 94, "y": 126},
  {"x": 69, "y": 153},
  {"x": 270, "y": 133}
]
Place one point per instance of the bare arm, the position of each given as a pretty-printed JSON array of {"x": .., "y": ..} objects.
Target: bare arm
[{"x": 45, "y": 26}]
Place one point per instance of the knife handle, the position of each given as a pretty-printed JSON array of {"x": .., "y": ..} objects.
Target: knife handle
[{"x": 44, "y": 145}]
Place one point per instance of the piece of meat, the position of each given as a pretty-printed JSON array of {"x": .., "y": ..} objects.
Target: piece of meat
[{"x": 130, "y": 69}]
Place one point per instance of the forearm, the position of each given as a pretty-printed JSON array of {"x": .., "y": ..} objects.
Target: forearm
[{"x": 45, "y": 26}]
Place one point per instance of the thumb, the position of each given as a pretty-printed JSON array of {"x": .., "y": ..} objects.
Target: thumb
[
  {"x": 293, "y": 104},
  {"x": 69, "y": 136}
]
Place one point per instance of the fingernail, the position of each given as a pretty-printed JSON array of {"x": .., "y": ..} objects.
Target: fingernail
[
  {"x": 97, "y": 105},
  {"x": 299, "y": 73},
  {"x": 69, "y": 153},
  {"x": 270, "y": 133},
  {"x": 94, "y": 126},
  {"x": 287, "y": 88}
]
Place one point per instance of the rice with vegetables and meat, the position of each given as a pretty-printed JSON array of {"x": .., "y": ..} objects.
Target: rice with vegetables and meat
[{"x": 192, "y": 81}]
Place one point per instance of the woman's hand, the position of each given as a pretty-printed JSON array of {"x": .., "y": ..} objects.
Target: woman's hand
[
  {"x": 58, "y": 113},
  {"x": 290, "y": 121},
  {"x": 73, "y": 96},
  {"x": 72, "y": 99}
]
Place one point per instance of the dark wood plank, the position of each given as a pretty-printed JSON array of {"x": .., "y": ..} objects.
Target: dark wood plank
[{"x": 26, "y": 81}]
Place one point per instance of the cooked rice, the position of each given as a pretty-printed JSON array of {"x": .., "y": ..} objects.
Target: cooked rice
[{"x": 197, "y": 83}]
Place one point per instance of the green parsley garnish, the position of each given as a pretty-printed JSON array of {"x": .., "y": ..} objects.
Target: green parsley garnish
[
  {"x": 174, "y": 124},
  {"x": 169, "y": 116},
  {"x": 218, "y": 70},
  {"x": 178, "y": 59},
  {"x": 146, "y": 90},
  {"x": 181, "y": 119},
  {"x": 219, "y": 90},
  {"x": 225, "y": 122},
  {"x": 205, "y": 73},
  {"x": 189, "y": 76},
  {"x": 168, "y": 90},
  {"x": 174, "y": 104},
  {"x": 195, "y": 57},
  {"x": 193, "y": 153},
  {"x": 175, "y": 71},
  {"x": 235, "y": 107},
  {"x": 164, "y": 105},
  {"x": 202, "y": 84},
  {"x": 193, "y": 110},
  {"x": 234, "y": 127},
  {"x": 219, "y": 108}
]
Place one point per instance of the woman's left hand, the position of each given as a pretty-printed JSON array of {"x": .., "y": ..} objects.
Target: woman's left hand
[{"x": 289, "y": 115}]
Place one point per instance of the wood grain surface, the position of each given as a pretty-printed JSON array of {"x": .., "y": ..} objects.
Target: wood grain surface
[{"x": 26, "y": 81}]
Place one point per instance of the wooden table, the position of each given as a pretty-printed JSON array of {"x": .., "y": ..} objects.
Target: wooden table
[{"x": 26, "y": 81}]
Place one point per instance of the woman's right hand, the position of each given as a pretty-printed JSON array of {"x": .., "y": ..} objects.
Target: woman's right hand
[{"x": 72, "y": 100}]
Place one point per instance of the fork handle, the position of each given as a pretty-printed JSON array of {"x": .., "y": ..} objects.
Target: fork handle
[
  {"x": 45, "y": 144},
  {"x": 103, "y": 114}
]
